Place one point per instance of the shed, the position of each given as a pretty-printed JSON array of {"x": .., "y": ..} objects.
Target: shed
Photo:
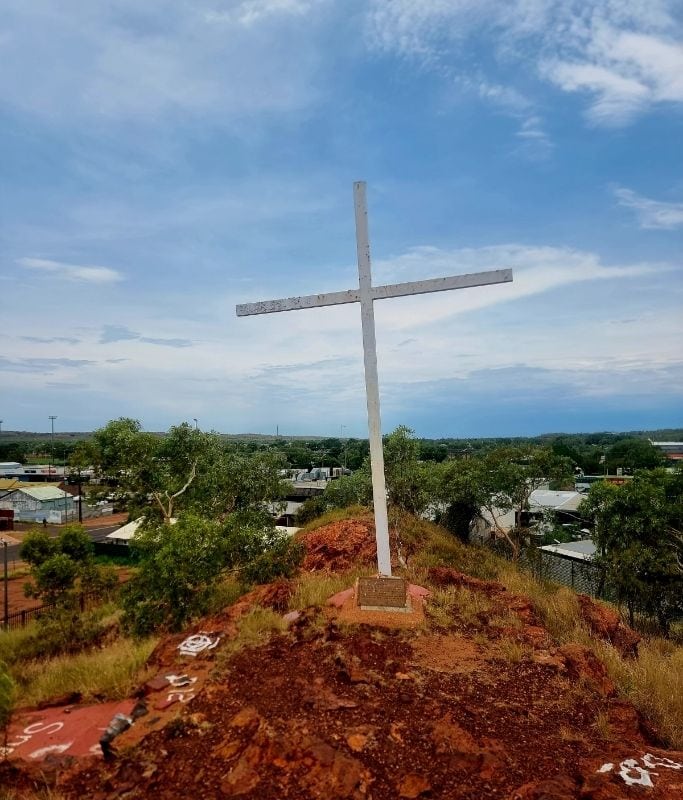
[{"x": 583, "y": 550}]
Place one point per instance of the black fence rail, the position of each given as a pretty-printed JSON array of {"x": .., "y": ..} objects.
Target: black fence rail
[
  {"x": 19, "y": 619},
  {"x": 582, "y": 576}
]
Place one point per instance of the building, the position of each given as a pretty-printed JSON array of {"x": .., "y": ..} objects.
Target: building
[
  {"x": 672, "y": 450},
  {"x": 38, "y": 503}
]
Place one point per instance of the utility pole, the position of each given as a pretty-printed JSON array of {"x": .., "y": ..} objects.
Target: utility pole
[
  {"x": 5, "y": 543},
  {"x": 52, "y": 419}
]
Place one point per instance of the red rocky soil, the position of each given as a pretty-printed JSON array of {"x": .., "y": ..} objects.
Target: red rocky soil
[
  {"x": 464, "y": 711},
  {"x": 339, "y": 546}
]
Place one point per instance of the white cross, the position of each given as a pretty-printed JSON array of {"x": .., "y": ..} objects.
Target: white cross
[{"x": 366, "y": 294}]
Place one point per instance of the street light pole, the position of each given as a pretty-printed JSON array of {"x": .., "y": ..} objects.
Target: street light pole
[
  {"x": 52, "y": 419},
  {"x": 5, "y": 543},
  {"x": 196, "y": 424}
]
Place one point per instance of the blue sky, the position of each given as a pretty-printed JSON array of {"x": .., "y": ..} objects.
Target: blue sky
[{"x": 164, "y": 161}]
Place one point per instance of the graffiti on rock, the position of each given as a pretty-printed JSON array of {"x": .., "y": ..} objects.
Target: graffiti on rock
[
  {"x": 633, "y": 774},
  {"x": 179, "y": 693},
  {"x": 197, "y": 643},
  {"x": 28, "y": 733}
]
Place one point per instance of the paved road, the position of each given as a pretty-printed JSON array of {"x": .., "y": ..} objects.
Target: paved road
[{"x": 96, "y": 535}]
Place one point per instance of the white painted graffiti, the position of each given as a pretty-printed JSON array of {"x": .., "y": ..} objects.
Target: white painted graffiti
[
  {"x": 628, "y": 767},
  {"x": 633, "y": 774},
  {"x": 178, "y": 682},
  {"x": 197, "y": 644},
  {"x": 29, "y": 732},
  {"x": 651, "y": 762},
  {"x": 52, "y": 748}
]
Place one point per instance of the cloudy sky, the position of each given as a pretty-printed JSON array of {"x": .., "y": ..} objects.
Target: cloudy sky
[{"x": 163, "y": 161}]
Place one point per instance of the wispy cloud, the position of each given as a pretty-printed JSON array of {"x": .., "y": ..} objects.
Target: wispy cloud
[
  {"x": 72, "y": 272},
  {"x": 120, "y": 333},
  {"x": 42, "y": 365},
  {"x": 652, "y": 214},
  {"x": 50, "y": 339},
  {"x": 626, "y": 57},
  {"x": 147, "y": 61}
]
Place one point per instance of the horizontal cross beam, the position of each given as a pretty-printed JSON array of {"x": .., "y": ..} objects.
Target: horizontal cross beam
[{"x": 377, "y": 292}]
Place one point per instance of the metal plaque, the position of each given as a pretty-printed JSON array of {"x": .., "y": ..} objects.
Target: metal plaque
[{"x": 382, "y": 592}]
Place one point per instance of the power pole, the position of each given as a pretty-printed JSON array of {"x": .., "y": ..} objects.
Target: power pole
[{"x": 52, "y": 419}]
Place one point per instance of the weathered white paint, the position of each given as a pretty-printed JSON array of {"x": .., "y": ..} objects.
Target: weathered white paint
[
  {"x": 197, "y": 643},
  {"x": 367, "y": 315},
  {"x": 366, "y": 294}
]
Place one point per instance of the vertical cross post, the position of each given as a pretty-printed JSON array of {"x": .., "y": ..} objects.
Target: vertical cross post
[{"x": 367, "y": 313}]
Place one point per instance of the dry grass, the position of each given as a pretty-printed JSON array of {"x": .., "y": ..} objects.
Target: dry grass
[
  {"x": 254, "y": 628},
  {"x": 105, "y": 674},
  {"x": 457, "y": 605},
  {"x": 513, "y": 651},
  {"x": 314, "y": 588},
  {"x": 602, "y": 726},
  {"x": 338, "y": 514},
  {"x": 653, "y": 681}
]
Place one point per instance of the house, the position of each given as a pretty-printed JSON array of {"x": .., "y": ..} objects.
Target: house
[
  {"x": 541, "y": 501},
  {"x": 672, "y": 450},
  {"x": 38, "y": 503},
  {"x": 125, "y": 533}
]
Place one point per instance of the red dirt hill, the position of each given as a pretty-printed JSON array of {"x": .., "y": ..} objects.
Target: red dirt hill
[{"x": 465, "y": 707}]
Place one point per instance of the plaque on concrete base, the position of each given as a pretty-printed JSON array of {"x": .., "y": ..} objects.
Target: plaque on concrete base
[{"x": 382, "y": 594}]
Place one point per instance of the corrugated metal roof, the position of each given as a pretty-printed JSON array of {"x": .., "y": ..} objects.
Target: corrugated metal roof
[
  {"x": 559, "y": 501},
  {"x": 583, "y": 550},
  {"x": 43, "y": 493},
  {"x": 126, "y": 532}
]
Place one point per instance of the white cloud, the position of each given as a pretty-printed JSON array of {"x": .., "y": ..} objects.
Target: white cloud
[
  {"x": 652, "y": 214},
  {"x": 252, "y": 12},
  {"x": 148, "y": 60},
  {"x": 72, "y": 272},
  {"x": 626, "y": 55}
]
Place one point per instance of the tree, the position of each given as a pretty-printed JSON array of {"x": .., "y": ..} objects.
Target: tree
[
  {"x": 633, "y": 454},
  {"x": 638, "y": 534},
  {"x": 180, "y": 565},
  {"x": 461, "y": 494},
  {"x": 58, "y": 564},
  {"x": 186, "y": 469},
  {"x": 410, "y": 483},
  {"x": 508, "y": 476}
]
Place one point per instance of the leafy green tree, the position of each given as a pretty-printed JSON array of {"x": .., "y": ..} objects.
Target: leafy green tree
[
  {"x": 410, "y": 483},
  {"x": 186, "y": 469},
  {"x": 350, "y": 490},
  {"x": 461, "y": 495},
  {"x": 75, "y": 543},
  {"x": 180, "y": 565},
  {"x": 54, "y": 579},
  {"x": 633, "y": 454},
  {"x": 508, "y": 476},
  {"x": 37, "y": 547},
  {"x": 638, "y": 534},
  {"x": 62, "y": 565}
]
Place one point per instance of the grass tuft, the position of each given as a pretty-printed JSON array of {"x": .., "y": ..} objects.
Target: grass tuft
[
  {"x": 337, "y": 515},
  {"x": 109, "y": 674},
  {"x": 254, "y": 628}
]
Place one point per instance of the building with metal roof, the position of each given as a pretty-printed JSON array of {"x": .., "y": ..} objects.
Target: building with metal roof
[{"x": 35, "y": 503}]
